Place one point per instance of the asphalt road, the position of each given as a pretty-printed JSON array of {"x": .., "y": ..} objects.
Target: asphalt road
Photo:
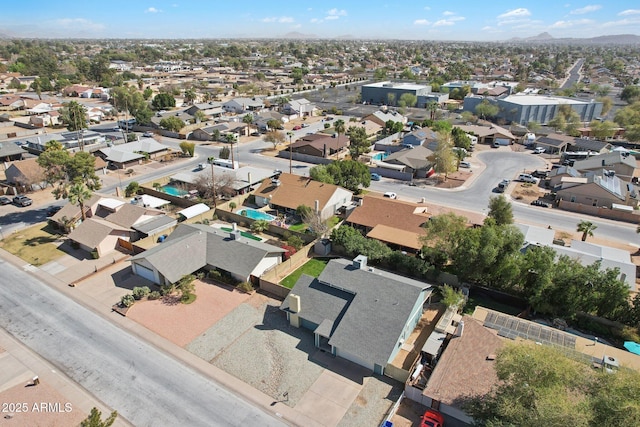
[
  {"x": 145, "y": 386},
  {"x": 574, "y": 74}
]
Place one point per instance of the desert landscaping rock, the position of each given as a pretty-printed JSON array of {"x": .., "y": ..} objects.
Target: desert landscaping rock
[
  {"x": 225, "y": 332},
  {"x": 373, "y": 402},
  {"x": 273, "y": 357}
]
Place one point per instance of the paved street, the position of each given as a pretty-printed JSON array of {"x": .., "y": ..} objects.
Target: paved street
[{"x": 146, "y": 386}]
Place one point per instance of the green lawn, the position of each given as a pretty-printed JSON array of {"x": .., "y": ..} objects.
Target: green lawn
[
  {"x": 243, "y": 234},
  {"x": 300, "y": 227},
  {"x": 312, "y": 268}
]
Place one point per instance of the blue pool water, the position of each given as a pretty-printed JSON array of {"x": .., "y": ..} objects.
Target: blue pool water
[
  {"x": 172, "y": 191},
  {"x": 254, "y": 214},
  {"x": 380, "y": 156}
]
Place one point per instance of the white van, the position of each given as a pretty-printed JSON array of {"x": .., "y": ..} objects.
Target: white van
[{"x": 526, "y": 177}]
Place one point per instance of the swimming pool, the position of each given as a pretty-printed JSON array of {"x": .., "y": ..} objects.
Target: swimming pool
[
  {"x": 172, "y": 190},
  {"x": 380, "y": 156},
  {"x": 254, "y": 214}
]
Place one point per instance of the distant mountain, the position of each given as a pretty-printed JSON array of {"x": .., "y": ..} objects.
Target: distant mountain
[
  {"x": 299, "y": 36},
  {"x": 620, "y": 39}
]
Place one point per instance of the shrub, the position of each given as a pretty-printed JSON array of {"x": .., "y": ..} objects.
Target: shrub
[
  {"x": 187, "y": 298},
  {"x": 154, "y": 295},
  {"x": 167, "y": 289},
  {"x": 290, "y": 250},
  {"x": 296, "y": 242},
  {"x": 245, "y": 287},
  {"x": 140, "y": 292},
  {"x": 327, "y": 125},
  {"x": 127, "y": 300}
]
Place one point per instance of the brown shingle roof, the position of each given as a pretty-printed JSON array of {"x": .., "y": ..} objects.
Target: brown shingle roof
[
  {"x": 396, "y": 236},
  {"x": 463, "y": 370},
  {"x": 294, "y": 191},
  {"x": 30, "y": 169},
  {"x": 391, "y": 213},
  {"x": 93, "y": 231}
]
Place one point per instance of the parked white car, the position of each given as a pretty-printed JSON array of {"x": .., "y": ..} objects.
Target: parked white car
[
  {"x": 526, "y": 177},
  {"x": 390, "y": 195},
  {"x": 465, "y": 164},
  {"x": 539, "y": 150}
]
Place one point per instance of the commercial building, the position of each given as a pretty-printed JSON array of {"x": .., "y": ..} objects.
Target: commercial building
[
  {"x": 390, "y": 93},
  {"x": 522, "y": 109}
]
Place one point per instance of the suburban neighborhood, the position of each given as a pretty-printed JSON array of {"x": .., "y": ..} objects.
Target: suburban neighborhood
[{"x": 319, "y": 232}]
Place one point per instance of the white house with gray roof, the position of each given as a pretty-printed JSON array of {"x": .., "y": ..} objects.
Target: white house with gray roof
[
  {"x": 194, "y": 247},
  {"x": 357, "y": 312}
]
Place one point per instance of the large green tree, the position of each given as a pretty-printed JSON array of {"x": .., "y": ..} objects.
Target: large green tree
[
  {"x": 62, "y": 170},
  {"x": 443, "y": 157},
  {"x": 486, "y": 109},
  {"x": 358, "y": 141},
  {"x": 172, "y": 123},
  {"x": 500, "y": 210},
  {"x": 163, "y": 101},
  {"x": 349, "y": 174},
  {"x": 95, "y": 419}
]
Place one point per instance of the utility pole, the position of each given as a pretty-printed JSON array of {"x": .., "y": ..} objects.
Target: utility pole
[
  {"x": 213, "y": 182},
  {"x": 290, "y": 135}
]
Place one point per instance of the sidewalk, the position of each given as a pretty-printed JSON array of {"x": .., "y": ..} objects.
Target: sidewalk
[
  {"x": 280, "y": 410},
  {"x": 18, "y": 366}
]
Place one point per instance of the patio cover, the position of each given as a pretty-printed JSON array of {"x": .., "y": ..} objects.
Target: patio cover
[{"x": 194, "y": 210}]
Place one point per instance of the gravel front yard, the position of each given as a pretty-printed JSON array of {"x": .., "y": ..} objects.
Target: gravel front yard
[
  {"x": 268, "y": 354},
  {"x": 373, "y": 402}
]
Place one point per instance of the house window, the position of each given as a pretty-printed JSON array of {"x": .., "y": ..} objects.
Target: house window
[
  {"x": 595, "y": 202},
  {"x": 573, "y": 199}
]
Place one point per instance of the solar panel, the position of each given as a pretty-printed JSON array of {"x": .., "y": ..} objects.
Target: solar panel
[{"x": 512, "y": 327}]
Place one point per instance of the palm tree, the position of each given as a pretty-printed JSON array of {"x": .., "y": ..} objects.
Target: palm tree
[
  {"x": 189, "y": 96},
  {"x": 78, "y": 194},
  {"x": 586, "y": 228},
  {"x": 339, "y": 127},
  {"x": 432, "y": 107},
  {"x": 231, "y": 139},
  {"x": 248, "y": 119}
]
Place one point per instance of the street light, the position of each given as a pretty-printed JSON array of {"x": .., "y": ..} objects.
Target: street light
[{"x": 290, "y": 135}]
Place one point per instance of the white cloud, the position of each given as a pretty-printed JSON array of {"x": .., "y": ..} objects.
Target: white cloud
[
  {"x": 427, "y": 8},
  {"x": 421, "y": 22},
  {"x": 448, "y": 13},
  {"x": 456, "y": 18},
  {"x": 515, "y": 13},
  {"x": 281, "y": 19},
  {"x": 315, "y": 20},
  {"x": 152, "y": 10},
  {"x": 79, "y": 24},
  {"x": 569, "y": 24},
  {"x": 629, "y": 12},
  {"x": 587, "y": 9},
  {"x": 443, "y": 23},
  {"x": 332, "y": 17},
  {"x": 336, "y": 12},
  {"x": 622, "y": 23}
]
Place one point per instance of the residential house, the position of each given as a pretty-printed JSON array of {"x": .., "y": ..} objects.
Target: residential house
[
  {"x": 358, "y": 313},
  {"x": 238, "y": 181},
  {"x": 449, "y": 384},
  {"x": 26, "y": 173},
  {"x": 124, "y": 155},
  {"x": 10, "y": 152},
  {"x": 396, "y": 223},
  {"x": 299, "y": 107},
  {"x": 6, "y": 79},
  {"x": 155, "y": 120},
  {"x": 320, "y": 145},
  {"x": 421, "y": 136},
  {"x": 621, "y": 162},
  {"x": 70, "y": 140},
  {"x": 10, "y": 102},
  {"x": 242, "y": 105},
  {"x": 590, "y": 146},
  {"x": 194, "y": 247},
  {"x": 51, "y": 118},
  {"x": 381, "y": 117},
  {"x": 75, "y": 90},
  {"x": 564, "y": 173},
  {"x": 288, "y": 192},
  {"x": 211, "y": 109},
  {"x": 415, "y": 160},
  {"x": 586, "y": 253},
  {"x": 261, "y": 120},
  {"x": 489, "y": 134},
  {"x": 112, "y": 221},
  {"x": 600, "y": 188},
  {"x": 555, "y": 143}
]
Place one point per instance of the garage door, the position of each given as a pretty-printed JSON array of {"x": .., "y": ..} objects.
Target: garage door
[{"x": 145, "y": 272}]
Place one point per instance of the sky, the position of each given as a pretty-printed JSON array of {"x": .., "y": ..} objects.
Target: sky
[{"x": 470, "y": 20}]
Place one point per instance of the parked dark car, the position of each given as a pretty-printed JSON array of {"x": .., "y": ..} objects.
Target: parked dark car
[
  {"x": 22, "y": 201},
  {"x": 540, "y": 174},
  {"x": 52, "y": 210},
  {"x": 541, "y": 203},
  {"x": 5, "y": 200}
]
